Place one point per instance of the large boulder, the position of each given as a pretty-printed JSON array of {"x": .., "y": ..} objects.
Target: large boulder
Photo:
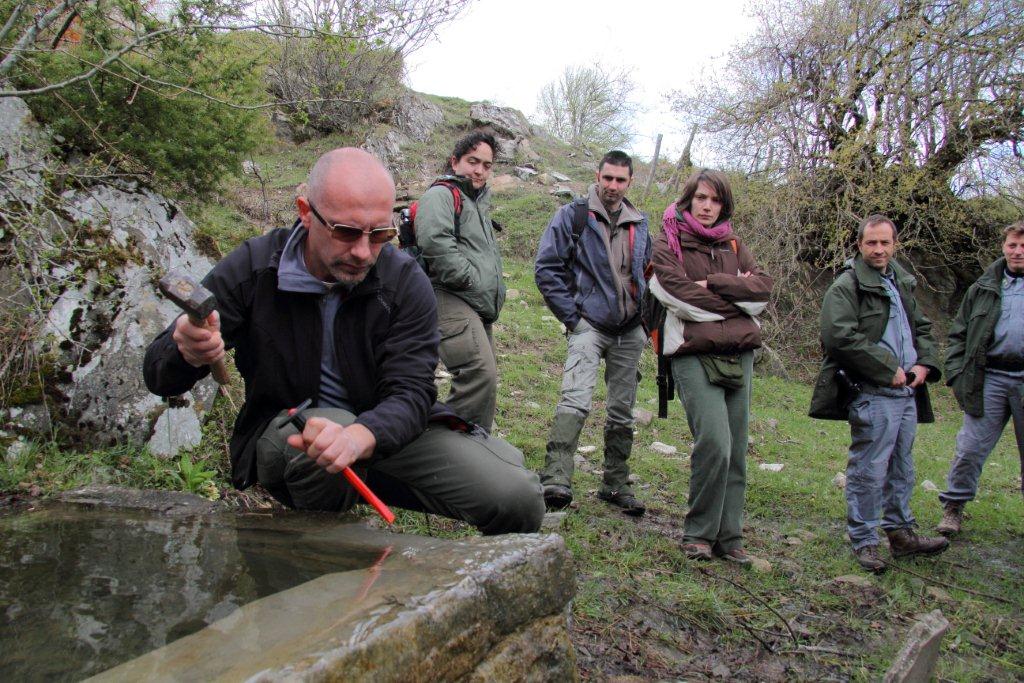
[
  {"x": 417, "y": 117},
  {"x": 90, "y": 306},
  {"x": 505, "y": 122},
  {"x": 413, "y": 120},
  {"x": 94, "y": 255},
  {"x": 100, "y": 325}
]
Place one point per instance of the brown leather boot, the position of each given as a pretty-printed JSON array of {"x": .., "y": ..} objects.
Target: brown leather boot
[
  {"x": 867, "y": 558},
  {"x": 906, "y": 542},
  {"x": 952, "y": 518}
]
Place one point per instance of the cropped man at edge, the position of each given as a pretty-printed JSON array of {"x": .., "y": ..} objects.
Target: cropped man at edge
[
  {"x": 330, "y": 310},
  {"x": 464, "y": 264},
  {"x": 985, "y": 367},
  {"x": 593, "y": 282}
]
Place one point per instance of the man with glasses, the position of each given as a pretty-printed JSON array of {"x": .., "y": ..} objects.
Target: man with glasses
[{"x": 329, "y": 310}]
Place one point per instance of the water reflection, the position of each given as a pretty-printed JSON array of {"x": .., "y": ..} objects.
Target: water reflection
[{"x": 82, "y": 590}]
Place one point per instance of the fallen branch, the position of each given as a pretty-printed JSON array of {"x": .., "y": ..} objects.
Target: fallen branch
[
  {"x": 746, "y": 590},
  {"x": 953, "y": 586},
  {"x": 817, "y": 649}
]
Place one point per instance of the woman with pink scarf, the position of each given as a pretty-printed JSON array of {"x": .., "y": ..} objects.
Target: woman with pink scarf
[{"x": 713, "y": 291}]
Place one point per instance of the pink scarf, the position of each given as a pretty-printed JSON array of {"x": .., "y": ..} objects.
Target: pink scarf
[{"x": 673, "y": 226}]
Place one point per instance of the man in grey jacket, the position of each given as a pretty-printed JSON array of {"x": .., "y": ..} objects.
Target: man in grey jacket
[{"x": 591, "y": 276}]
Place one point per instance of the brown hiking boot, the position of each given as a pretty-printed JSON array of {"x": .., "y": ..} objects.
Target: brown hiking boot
[
  {"x": 906, "y": 542},
  {"x": 697, "y": 551},
  {"x": 952, "y": 518},
  {"x": 867, "y": 558},
  {"x": 737, "y": 556}
]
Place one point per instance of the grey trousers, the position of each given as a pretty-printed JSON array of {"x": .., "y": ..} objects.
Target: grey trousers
[
  {"x": 621, "y": 354},
  {"x": 979, "y": 435},
  {"x": 880, "y": 467},
  {"x": 472, "y": 477},
  {"x": 467, "y": 350},
  {"x": 719, "y": 419}
]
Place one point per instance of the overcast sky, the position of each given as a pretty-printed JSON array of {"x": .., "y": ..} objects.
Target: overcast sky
[{"x": 505, "y": 51}]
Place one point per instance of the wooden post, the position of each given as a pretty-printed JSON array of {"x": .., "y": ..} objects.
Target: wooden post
[
  {"x": 684, "y": 162},
  {"x": 654, "y": 165}
]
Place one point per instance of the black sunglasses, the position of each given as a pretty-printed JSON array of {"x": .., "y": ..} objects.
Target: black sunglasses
[{"x": 349, "y": 233}]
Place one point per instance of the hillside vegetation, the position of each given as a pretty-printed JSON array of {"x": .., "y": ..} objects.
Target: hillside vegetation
[{"x": 641, "y": 609}]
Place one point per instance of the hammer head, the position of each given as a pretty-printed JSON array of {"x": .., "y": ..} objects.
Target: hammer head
[{"x": 184, "y": 290}]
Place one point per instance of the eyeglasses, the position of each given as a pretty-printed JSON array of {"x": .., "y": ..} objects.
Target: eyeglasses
[{"x": 349, "y": 233}]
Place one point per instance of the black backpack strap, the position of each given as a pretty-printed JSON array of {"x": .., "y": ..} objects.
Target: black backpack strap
[
  {"x": 666, "y": 382},
  {"x": 580, "y": 213}
]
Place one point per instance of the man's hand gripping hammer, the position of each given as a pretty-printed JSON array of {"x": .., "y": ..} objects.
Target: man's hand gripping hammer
[{"x": 197, "y": 302}]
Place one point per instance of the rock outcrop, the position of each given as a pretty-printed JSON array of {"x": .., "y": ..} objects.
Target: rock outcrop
[{"x": 97, "y": 253}]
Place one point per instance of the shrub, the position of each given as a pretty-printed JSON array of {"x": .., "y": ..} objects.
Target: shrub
[{"x": 131, "y": 118}]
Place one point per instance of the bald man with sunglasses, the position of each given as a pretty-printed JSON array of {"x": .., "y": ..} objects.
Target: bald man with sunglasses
[{"x": 331, "y": 310}]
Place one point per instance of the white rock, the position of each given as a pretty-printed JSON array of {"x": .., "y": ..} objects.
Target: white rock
[
  {"x": 511, "y": 294},
  {"x": 532, "y": 404},
  {"x": 586, "y": 449},
  {"x": 839, "y": 480},
  {"x": 771, "y": 466},
  {"x": 663, "y": 448},
  {"x": 929, "y": 485}
]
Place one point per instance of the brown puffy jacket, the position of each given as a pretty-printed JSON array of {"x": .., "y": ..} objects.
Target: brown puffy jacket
[{"x": 719, "y": 318}]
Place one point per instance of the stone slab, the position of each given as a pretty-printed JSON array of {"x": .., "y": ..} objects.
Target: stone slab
[
  {"x": 915, "y": 662},
  {"x": 433, "y": 610}
]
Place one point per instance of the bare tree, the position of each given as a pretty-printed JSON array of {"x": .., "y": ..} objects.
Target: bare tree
[
  {"x": 922, "y": 83},
  {"x": 589, "y": 104}
]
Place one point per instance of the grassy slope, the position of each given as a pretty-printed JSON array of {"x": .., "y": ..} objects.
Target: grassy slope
[{"x": 641, "y": 609}]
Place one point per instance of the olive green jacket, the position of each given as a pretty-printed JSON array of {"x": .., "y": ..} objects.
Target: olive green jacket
[
  {"x": 469, "y": 267},
  {"x": 970, "y": 337},
  {"x": 854, "y": 315}
]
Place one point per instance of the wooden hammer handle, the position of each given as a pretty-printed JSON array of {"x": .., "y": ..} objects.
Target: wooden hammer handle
[{"x": 217, "y": 368}]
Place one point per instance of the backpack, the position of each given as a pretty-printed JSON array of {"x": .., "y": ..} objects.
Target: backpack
[
  {"x": 407, "y": 224},
  {"x": 653, "y": 316}
]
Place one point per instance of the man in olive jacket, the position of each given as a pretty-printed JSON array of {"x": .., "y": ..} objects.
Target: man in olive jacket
[
  {"x": 873, "y": 331},
  {"x": 985, "y": 367}
]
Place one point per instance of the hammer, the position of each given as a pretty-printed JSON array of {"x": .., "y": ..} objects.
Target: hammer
[{"x": 197, "y": 302}]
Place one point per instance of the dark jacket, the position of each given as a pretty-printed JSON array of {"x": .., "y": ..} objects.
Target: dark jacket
[
  {"x": 854, "y": 315},
  {"x": 469, "y": 267},
  {"x": 719, "y": 318},
  {"x": 579, "y": 281},
  {"x": 387, "y": 339},
  {"x": 970, "y": 337}
]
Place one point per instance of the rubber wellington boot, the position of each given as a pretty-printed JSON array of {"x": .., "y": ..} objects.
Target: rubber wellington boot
[
  {"x": 952, "y": 518},
  {"x": 556, "y": 476},
  {"x": 618, "y": 443}
]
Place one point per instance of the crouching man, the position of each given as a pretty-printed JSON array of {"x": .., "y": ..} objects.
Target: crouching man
[
  {"x": 985, "y": 367},
  {"x": 879, "y": 352},
  {"x": 330, "y": 310}
]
